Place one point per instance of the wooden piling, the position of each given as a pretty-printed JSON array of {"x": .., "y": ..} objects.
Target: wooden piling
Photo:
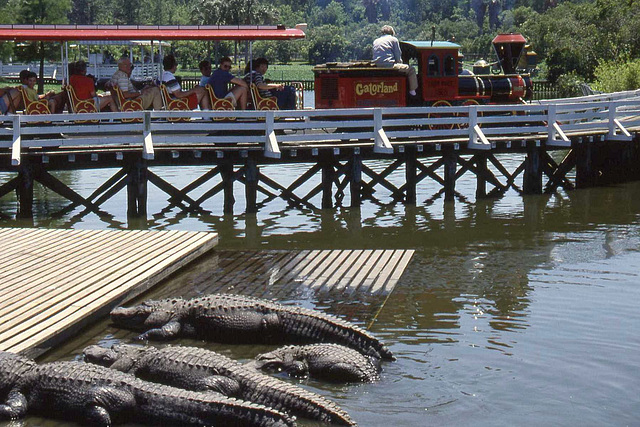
[
  {"x": 532, "y": 179},
  {"x": 450, "y": 163},
  {"x": 411, "y": 175},
  {"x": 137, "y": 180},
  {"x": 251, "y": 184},
  {"x": 24, "y": 191},
  {"x": 481, "y": 179},
  {"x": 355, "y": 180},
  {"x": 327, "y": 184},
  {"x": 226, "y": 172}
]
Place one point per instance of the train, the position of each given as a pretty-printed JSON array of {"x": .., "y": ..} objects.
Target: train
[{"x": 441, "y": 79}]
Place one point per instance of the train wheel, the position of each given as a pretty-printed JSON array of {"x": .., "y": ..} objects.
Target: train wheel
[
  {"x": 464, "y": 104},
  {"x": 441, "y": 103}
]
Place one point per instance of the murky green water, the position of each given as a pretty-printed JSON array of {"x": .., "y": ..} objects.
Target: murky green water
[{"x": 513, "y": 311}]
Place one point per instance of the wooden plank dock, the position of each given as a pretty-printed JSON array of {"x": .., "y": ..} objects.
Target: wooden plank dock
[
  {"x": 55, "y": 281},
  {"x": 292, "y": 274}
]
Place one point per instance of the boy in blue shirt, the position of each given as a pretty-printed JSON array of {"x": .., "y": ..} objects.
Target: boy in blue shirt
[{"x": 220, "y": 80}]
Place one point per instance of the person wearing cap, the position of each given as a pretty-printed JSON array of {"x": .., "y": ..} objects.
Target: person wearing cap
[{"x": 387, "y": 53}]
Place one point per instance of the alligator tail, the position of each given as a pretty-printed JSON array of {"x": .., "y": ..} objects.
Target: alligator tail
[
  {"x": 290, "y": 398},
  {"x": 210, "y": 408},
  {"x": 313, "y": 326}
]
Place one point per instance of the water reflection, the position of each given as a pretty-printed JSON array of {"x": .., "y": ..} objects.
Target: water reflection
[{"x": 514, "y": 308}]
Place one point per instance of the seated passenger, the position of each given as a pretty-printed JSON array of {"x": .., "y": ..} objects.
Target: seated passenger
[
  {"x": 285, "y": 95},
  {"x": 9, "y": 98},
  {"x": 85, "y": 88},
  {"x": 150, "y": 95},
  {"x": 386, "y": 53},
  {"x": 220, "y": 80},
  {"x": 205, "y": 70},
  {"x": 194, "y": 97},
  {"x": 29, "y": 80}
]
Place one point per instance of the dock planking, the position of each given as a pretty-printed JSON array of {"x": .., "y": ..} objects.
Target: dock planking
[
  {"x": 288, "y": 274},
  {"x": 55, "y": 281}
]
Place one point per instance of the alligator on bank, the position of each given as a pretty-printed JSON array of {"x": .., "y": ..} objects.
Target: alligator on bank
[
  {"x": 237, "y": 318},
  {"x": 330, "y": 362},
  {"x": 200, "y": 369},
  {"x": 91, "y": 394}
]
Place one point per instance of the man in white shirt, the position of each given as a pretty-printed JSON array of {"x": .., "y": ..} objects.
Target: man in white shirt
[
  {"x": 150, "y": 95},
  {"x": 194, "y": 97},
  {"x": 386, "y": 53}
]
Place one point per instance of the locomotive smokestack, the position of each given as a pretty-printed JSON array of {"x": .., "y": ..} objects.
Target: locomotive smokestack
[{"x": 433, "y": 34}]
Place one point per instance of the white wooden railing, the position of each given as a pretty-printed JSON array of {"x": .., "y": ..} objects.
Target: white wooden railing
[{"x": 615, "y": 116}]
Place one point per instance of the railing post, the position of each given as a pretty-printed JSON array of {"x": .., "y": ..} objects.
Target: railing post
[
  {"x": 382, "y": 144},
  {"x": 147, "y": 151},
  {"x": 477, "y": 138},
  {"x": 17, "y": 141},
  {"x": 271, "y": 148},
  {"x": 615, "y": 123},
  {"x": 553, "y": 129}
]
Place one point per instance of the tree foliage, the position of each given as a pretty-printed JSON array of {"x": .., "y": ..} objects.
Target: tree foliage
[{"x": 571, "y": 37}]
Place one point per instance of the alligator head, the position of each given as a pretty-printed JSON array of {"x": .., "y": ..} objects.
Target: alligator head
[
  {"x": 120, "y": 357},
  {"x": 144, "y": 316},
  {"x": 283, "y": 359}
]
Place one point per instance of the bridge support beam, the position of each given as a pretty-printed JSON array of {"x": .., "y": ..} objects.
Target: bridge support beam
[
  {"x": 450, "y": 164},
  {"x": 586, "y": 173},
  {"x": 532, "y": 179},
  {"x": 251, "y": 184},
  {"x": 327, "y": 184},
  {"x": 355, "y": 180},
  {"x": 137, "y": 180},
  {"x": 226, "y": 173},
  {"x": 481, "y": 178},
  {"x": 411, "y": 175},
  {"x": 24, "y": 190}
]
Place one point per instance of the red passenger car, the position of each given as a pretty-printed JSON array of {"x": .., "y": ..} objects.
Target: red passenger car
[{"x": 441, "y": 80}]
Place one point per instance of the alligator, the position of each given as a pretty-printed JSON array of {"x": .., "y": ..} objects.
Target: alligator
[
  {"x": 200, "y": 369},
  {"x": 237, "y": 318},
  {"x": 330, "y": 362},
  {"x": 91, "y": 394}
]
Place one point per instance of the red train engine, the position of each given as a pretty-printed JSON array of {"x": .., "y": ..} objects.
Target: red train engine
[{"x": 441, "y": 80}]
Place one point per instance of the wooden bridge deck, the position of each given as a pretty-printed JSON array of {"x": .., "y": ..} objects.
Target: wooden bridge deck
[{"x": 54, "y": 281}]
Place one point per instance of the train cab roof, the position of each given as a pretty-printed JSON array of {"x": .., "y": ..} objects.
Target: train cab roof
[
  {"x": 421, "y": 45},
  {"x": 416, "y": 49}
]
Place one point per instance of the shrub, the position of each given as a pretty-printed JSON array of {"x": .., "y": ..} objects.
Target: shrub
[
  {"x": 614, "y": 76},
  {"x": 568, "y": 85}
]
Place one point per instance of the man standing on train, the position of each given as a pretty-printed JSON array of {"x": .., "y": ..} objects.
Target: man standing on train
[{"x": 386, "y": 53}]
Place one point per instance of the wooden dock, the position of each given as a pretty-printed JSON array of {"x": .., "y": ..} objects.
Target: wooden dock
[
  {"x": 53, "y": 282},
  {"x": 295, "y": 274}
]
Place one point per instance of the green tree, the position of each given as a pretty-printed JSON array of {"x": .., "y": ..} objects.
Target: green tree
[
  {"x": 327, "y": 44},
  {"x": 234, "y": 12},
  {"x": 41, "y": 12}
]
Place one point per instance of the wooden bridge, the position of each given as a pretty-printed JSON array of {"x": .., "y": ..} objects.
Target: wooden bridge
[{"x": 599, "y": 135}]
